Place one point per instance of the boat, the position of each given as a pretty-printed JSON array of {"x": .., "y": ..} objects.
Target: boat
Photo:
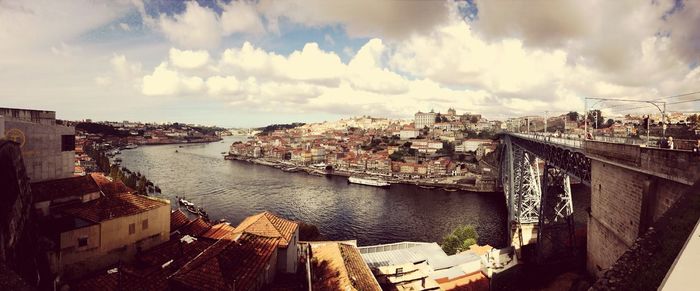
[
  {"x": 450, "y": 189},
  {"x": 427, "y": 187},
  {"x": 184, "y": 202},
  {"x": 376, "y": 182},
  {"x": 223, "y": 153},
  {"x": 176, "y": 151},
  {"x": 130, "y": 146}
]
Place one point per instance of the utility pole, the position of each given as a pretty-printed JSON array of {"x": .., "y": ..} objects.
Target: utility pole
[
  {"x": 585, "y": 118},
  {"x": 528, "y": 125},
  {"x": 545, "y": 121}
]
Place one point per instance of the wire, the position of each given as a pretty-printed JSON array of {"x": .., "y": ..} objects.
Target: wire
[
  {"x": 686, "y": 101},
  {"x": 654, "y": 100}
]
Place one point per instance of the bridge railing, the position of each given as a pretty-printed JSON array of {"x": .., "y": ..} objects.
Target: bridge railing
[
  {"x": 576, "y": 141},
  {"x": 565, "y": 140}
]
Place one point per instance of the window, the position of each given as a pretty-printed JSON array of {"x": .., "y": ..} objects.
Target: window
[
  {"x": 82, "y": 241},
  {"x": 67, "y": 142},
  {"x": 132, "y": 228},
  {"x": 144, "y": 224}
]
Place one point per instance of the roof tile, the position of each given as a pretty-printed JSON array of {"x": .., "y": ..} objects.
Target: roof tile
[{"x": 113, "y": 206}]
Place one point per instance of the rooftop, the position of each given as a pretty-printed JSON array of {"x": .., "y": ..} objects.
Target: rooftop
[
  {"x": 113, "y": 206},
  {"x": 62, "y": 188},
  {"x": 268, "y": 225},
  {"x": 228, "y": 264},
  {"x": 177, "y": 219},
  {"x": 344, "y": 263}
]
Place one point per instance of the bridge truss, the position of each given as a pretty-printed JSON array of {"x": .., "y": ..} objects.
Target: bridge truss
[{"x": 541, "y": 198}]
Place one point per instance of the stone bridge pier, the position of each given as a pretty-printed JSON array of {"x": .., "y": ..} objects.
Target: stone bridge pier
[{"x": 631, "y": 187}]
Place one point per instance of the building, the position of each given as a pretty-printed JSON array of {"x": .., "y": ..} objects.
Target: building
[
  {"x": 47, "y": 147},
  {"x": 418, "y": 266},
  {"x": 101, "y": 232},
  {"x": 269, "y": 225},
  {"x": 421, "y": 120},
  {"x": 339, "y": 266},
  {"x": 246, "y": 262}
]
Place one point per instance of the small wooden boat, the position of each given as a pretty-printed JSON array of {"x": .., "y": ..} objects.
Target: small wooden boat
[{"x": 450, "y": 189}]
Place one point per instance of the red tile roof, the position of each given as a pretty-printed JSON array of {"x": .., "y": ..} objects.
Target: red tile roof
[
  {"x": 342, "y": 267},
  {"x": 178, "y": 219},
  {"x": 62, "y": 188},
  {"x": 195, "y": 228},
  {"x": 269, "y": 225},
  {"x": 360, "y": 274},
  {"x": 228, "y": 264},
  {"x": 220, "y": 231},
  {"x": 108, "y": 187},
  {"x": 113, "y": 206},
  {"x": 147, "y": 271}
]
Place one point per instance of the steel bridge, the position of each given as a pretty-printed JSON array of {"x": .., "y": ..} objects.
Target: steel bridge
[{"x": 536, "y": 174}]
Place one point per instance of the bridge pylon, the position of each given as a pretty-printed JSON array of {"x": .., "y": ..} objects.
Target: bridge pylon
[{"x": 539, "y": 203}]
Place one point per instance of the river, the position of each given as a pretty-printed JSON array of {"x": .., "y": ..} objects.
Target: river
[{"x": 236, "y": 189}]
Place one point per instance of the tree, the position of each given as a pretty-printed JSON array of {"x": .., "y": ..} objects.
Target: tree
[
  {"x": 573, "y": 115},
  {"x": 460, "y": 239},
  {"x": 396, "y": 156},
  {"x": 596, "y": 119},
  {"x": 610, "y": 122}
]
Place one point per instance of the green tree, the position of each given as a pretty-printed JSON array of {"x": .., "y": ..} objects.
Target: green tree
[
  {"x": 460, "y": 239},
  {"x": 596, "y": 119},
  {"x": 396, "y": 156},
  {"x": 572, "y": 115}
]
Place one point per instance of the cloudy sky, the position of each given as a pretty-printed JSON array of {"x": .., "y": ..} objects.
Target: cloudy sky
[{"x": 240, "y": 63}]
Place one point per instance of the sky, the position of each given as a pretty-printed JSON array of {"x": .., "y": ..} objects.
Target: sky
[{"x": 253, "y": 63}]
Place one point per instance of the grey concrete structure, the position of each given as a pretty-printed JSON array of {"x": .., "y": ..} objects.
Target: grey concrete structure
[{"x": 48, "y": 148}]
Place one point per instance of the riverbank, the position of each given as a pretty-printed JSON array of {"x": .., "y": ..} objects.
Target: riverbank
[{"x": 449, "y": 184}]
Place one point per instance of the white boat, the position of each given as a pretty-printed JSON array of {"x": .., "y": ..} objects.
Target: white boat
[
  {"x": 369, "y": 182},
  {"x": 131, "y": 146}
]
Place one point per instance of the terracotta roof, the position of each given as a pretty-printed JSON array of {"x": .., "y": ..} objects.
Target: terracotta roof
[
  {"x": 108, "y": 187},
  {"x": 177, "y": 219},
  {"x": 62, "y": 188},
  {"x": 195, "y": 228},
  {"x": 269, "y": 225},
  {"x": 228, "y": 264},
  {"x": 340, "y": 266},
  {"x": 113, "y": 206},
  {"x": 147, "y": 271},
  {"x": 222, "y": 230},
  {"x": 360, "y": 274},
  {"x": 472, "y": 282}
]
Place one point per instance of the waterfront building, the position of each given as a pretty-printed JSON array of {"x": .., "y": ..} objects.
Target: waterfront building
[
  {"x": 421, "y": 119},
  {"x": 112, "y": 228},
  {"x": 48, "y": 148}
]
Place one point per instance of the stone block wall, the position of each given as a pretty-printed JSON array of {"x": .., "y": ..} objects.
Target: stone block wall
[{"x": 41, "y": 149}]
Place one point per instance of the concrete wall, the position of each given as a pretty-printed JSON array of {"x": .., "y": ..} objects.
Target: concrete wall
[
  {"x": 41, "y": 148},
  {"x": 631, "y": 187}
]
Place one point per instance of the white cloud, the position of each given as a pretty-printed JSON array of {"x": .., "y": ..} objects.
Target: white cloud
[
  {"x": 196, "y": 27},
  {"x": 241, "y": 17},
  {"x": 360, "y": 18},
  {"x": 188, "y": 59},
  {"x": 125, "y": 26},
  {"x": 38, "y": 24},
  {"x": 168, "y": 82}
]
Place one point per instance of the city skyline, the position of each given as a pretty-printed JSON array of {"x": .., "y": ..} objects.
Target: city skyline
[{"x": 244, "y": 64}]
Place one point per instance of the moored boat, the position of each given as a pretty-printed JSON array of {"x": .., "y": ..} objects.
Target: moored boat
[{"x": 376, "y": 182}]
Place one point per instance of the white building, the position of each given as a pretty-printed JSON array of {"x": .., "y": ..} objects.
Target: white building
[{"x": 424, "y": 119}]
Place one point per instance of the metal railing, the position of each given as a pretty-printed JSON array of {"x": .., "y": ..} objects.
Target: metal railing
[{"x": 576, "y": 141}]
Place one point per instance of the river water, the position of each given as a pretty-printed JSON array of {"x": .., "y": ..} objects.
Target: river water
[{"x": 236, "y": 189}]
